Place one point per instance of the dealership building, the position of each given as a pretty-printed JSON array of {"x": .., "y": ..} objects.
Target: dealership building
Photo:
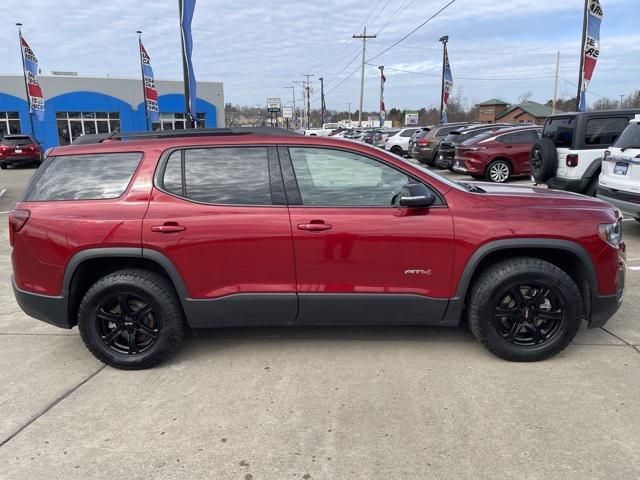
[{"x": 84, "y": 105}]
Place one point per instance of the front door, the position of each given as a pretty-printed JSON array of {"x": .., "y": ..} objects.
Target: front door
[
  {"x": 359, "y": 259},
  {"x": 219, "y": 216}
]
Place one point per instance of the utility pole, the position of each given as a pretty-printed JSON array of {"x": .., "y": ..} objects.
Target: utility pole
[
  {"x": 322, "y": 105},
  {"x": 444, "y": 41},
  {"x": 293, "y": 97},
  {"x": 349, "y": 104},
  {"x": 307, "y": 89},
  {"x": 364, "y": 38},
  {"x": 555, "y": 87},
  {"x": 621, "y": 100}
]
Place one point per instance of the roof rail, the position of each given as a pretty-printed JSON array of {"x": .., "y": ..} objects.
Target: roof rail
[{"x": 196, "y": 132}]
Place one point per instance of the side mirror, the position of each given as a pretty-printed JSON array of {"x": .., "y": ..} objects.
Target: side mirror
[{"x": 416, "y": 195}]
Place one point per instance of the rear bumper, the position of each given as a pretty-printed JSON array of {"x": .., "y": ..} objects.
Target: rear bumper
[
  {"x": 621, "y": 200},
  {"x": 578, "y": 185},
  {"x": 52, "y": 310},
  {"x": 20, "y": 160}
]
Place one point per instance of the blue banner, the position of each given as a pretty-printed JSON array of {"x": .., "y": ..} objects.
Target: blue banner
[
  {"x": 187, "y": 8},
  {"x": 591, "y": 49}
]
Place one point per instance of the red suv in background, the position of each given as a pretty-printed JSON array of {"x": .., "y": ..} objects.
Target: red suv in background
[
  {"x": 497, "y": 156},
  {"x": 234, "y": 227},
  {"x": 19, "y": 150}
]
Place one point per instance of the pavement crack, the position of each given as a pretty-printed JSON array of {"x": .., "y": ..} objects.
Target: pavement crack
[
  {"x": 50, "y": 406},
  {"x": 621, "y": 339}
]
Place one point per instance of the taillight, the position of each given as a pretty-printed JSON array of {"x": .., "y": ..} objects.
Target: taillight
[
  {"x": 17, "y": 220},
  {"x": 423, "y": 142},
  {"x": 572, "y": 160}
]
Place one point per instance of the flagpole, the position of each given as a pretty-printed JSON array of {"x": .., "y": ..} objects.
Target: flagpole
[
  {"x": 584, "y": 42},
  {"x": 144, "y": 85},
  {"x": 444, "y": 41},
  {"x": 185, "y": 71},
  {"x": 26, "y": 82},
  {"x": 381, "y": 67}
]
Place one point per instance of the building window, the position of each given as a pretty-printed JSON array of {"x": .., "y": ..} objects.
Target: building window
[
  {"x": 72, "y": 125},
  {"x": 176, "y": 121},
  {"x": 9, "y": 123}
]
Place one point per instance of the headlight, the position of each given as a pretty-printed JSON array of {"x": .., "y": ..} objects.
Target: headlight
[{"x": 611, "y": 233}]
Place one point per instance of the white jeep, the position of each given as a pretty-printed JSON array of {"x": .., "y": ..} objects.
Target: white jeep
[
  {"x": 569, "y": 154},
  {"x": 620, "y": 176}
]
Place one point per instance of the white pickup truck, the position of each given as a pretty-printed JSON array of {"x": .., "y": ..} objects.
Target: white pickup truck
[{"x": 325, "y": 131}]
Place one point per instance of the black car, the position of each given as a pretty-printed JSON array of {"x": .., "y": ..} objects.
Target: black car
[
  {"x": 447, "y": 149},
  {"x": 426, "y": 143}
]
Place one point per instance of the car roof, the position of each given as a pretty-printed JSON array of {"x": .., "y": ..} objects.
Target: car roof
[{"x": 597, "y": 113}]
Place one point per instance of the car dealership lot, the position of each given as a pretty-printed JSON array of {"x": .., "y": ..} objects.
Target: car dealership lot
[{"x": 384, "y": 402}]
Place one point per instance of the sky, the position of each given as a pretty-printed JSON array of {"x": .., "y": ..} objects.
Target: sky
[{"x": 497, "y": 48}]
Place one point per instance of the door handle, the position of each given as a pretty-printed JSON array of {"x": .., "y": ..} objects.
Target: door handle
[
  {"x": 315, "y": 226},
  {"x": 169, "y": 227}
]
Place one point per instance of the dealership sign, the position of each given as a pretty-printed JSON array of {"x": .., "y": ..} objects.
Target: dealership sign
[
  {"x": 273, "y": 105},
  {"x": 287, "y": 112},
  {"x": 411, "y": 119}
]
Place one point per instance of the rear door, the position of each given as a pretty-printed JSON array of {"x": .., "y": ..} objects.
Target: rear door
[
  {"x": 519, "y": 148},
  {"x": 219, "y": 215},
  {"x": 359, "y": 259}
]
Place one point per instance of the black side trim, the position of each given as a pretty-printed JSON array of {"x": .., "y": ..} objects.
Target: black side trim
[
  {"x": 289, "y": 177},
  {"x": 619, "y": 195},
  {"x": 568, "y": 185},
  {"x": 603, "y": 308},
  {"x": 278, "y": 196},
  {"x": 525, "y": 243},
  {"x": 78, "y": 258},
  {"x": 244, "y": 309},
  {"x": 52, "y": 310},
  {"x": 171, "y": 270},
  {"x": 369, "y": 309},
  {"x": 594, "y": 169}
]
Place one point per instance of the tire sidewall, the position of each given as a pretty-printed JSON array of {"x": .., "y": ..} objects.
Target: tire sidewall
[
  {"x": 548, "y": 160},
  {"x": 493, "y": 164}
]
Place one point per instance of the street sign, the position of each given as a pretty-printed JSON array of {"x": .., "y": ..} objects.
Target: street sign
[
  {"x": 411, "y": 119},
  {"x": 273, "y": 105},
  {"x": 287, "y": 112}
]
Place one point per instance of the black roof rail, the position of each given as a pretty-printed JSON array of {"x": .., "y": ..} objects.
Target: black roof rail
[{"x": 193, "y": 132}]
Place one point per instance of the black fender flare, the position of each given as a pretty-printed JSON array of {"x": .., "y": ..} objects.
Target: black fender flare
[{"x": 594, "y": 169}]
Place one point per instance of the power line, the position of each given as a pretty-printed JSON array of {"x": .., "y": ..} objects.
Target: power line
[
  {"x": 463, "y": 78},
  {"x": 405, "y": 5},
  {"x": 451, "y": 2}
]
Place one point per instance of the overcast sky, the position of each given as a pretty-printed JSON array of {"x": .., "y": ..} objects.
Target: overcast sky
[{"x": 256, "y": 47}]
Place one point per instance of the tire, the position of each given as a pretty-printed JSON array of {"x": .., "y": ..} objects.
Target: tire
[
  {"x": 637, "y": 219},
  {"x": 592, "y": 187},
  {"x": 109, "y": 336},
  {"x": 498, "y": 171},
  {"x": 545, "y": 330},
  {"x": 397, "y": 150},
  {"x": 3, "y": 166},
  {"x": 543, "y": 160}
]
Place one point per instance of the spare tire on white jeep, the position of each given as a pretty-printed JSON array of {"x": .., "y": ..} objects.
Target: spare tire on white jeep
[{"x": 543, "y": 160}]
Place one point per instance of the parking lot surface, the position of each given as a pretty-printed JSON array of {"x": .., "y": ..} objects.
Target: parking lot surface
[{"x": 318, "y": 403}]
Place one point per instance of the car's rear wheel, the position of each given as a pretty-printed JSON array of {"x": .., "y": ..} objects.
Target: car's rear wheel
[
  {"x": 525, "y": 309},
  {"x": 498, "y": 171},
  {"x": 3, "y": 166},
  {"x": 131, "y": 319}
]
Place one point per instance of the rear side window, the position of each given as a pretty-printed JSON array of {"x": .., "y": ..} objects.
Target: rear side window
[
  {"x": 604, "y": 131},
  {"x": 560, "y": 131},
  {"x": 83, "y": 177},
  {"x": 408, "y": 133},
  {"x": 222, "y": 176}
]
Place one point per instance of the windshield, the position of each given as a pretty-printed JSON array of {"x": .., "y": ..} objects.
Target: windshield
[
  {"x": 15, "y": 141},
  {"x": 630, "y": 137}
]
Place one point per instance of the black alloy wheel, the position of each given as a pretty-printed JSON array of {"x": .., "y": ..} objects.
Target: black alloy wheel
[
  {"x": 529, "y": 314},
  {"x": 127, "y": 324}
]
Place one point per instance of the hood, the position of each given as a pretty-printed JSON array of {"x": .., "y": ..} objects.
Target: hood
[{"x": 523, "y": 196}]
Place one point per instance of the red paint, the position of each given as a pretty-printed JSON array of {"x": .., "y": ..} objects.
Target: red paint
[{"x": 221, "y": 250}]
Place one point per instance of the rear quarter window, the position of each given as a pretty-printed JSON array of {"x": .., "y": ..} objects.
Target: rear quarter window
[
  {"x": 604, "y": 131},
  {"x": 83, "y": 177},
  {"x": 560, "y": 130}
]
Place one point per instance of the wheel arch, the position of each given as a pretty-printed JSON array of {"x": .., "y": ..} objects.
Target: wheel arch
[
  {"x": 497, "y": 158},
  {"x": 87, "y": 266},
  {"x": 564, "y": 254}
]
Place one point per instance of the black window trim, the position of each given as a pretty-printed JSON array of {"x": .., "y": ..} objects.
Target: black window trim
[
  {"x": 48, "y": 160},
  {"x": 276, "y": 186},
  {"x": 293, "y": 191}
]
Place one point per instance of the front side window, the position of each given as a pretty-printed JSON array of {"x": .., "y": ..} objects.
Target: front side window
[
  {"x": 337, "y": 178},
  {"x": 84, "y": 177},
  {"x": 223, "y": 176},
  {"x": 604, "y": 131}
]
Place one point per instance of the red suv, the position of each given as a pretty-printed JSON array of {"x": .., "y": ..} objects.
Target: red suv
[
  {"x": 19, "y": 150},
  {"x": 497, "y": 155},
  {"x": 139, "y": 236}
]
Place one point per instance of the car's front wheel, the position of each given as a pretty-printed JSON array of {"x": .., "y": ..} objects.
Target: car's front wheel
[
  {"x": 3, "y": 165},
  {"x": 398, "y": 151},
  {"x": 499, "y": 171},
  {"x": 525, "y": 309},
  {"x": 131, "y": 319}
]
